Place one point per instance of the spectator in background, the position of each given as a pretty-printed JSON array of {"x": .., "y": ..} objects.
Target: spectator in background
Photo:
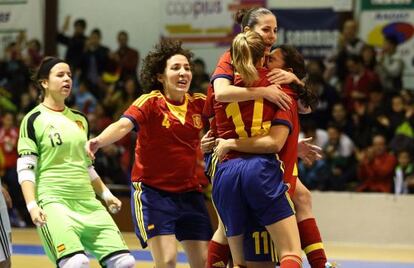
[
  {"x": 95, "y": 60},
  {"x": 327, "y": 96},
  {"x": 340, "y": 118},
  {"x": 9, "y": 134},
  {"x": 120, "y": 96},
  {"x": 201, "y": 78},
  {"x": 26, "y": 104},
  {"x": 376, "y": 167},
  {"x": 84, "y": 100},
  {"x": 338, "y": 156},
  {"x": 376, "y": 111},
  {"x": 28, "y": 100},
  {"x": 369, "y": 57},
  {"x": 359, "y": 81},
  {"x": 363, "y": 125},
  {"x": 404, "y": 174},
  {"x": 403, "y": 137},
  {"x": 313, "y": 174},
  {"x": 390, "y": 120},
  {"x": 391, "y": 66},
  {"x": 30, "y": 51},
  {"x": 32, "y": 55},
  {"x": 75, "y": 44},
  {"x": 309, "y": 129},
  {"x": 14, "y": 73},
  {"x": 126, "y": 57},
  {"x": 348, "y": 45}
]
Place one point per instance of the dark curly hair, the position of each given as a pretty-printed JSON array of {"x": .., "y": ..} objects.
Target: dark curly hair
[
  {"x": 156, "y": 61},
  {"x": 293, "y": 59}
]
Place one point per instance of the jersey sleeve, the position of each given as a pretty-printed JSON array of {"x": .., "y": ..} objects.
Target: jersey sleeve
[
  {"x": 208, "y": 110},
  {"x": 138, "y": 111},
  {"x": 284, "y": 118},
  {"x": 27, "y": 144},
  {"x": 224, "y": 68}
]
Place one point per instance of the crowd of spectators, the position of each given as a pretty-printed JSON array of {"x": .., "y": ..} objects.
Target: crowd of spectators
[{"x": 364, "y": 121}]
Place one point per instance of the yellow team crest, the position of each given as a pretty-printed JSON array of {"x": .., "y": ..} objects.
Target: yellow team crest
[
  {"x": 197, "y": 122},
  {"x": 80, "y": 124}
]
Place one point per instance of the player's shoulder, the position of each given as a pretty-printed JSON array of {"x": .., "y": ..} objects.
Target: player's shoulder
[
  {"x": 196, "y": 96},
  {"x": 32, "y": 115},
  {"x": 148, "y": 98},
  {"x": 78, "y": 117},
  {"x": 77, "y": 113}
]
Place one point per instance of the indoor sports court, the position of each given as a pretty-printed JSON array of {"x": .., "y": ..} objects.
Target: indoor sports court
[
  {"x": 351, "y": 241},
  {"x": 359, "y": 61},
  {"x": 27, "y": 252}
]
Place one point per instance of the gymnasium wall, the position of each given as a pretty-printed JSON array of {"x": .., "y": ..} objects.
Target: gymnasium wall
[
  {"x": 141, "y": 20},
  {"x": 344, "y": 218},
  {"x": 371, "y": 218}
]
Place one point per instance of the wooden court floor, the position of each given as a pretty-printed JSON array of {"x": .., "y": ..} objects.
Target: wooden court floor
[{"x": 28, "y": 253}]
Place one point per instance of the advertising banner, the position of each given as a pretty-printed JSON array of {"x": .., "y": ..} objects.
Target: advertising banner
[
  {"x": 202, "y": 22},
  {"x": 379, "y": 18},
  {"x": 20, "y": 16},
  {"x": 313, "y": 31}
]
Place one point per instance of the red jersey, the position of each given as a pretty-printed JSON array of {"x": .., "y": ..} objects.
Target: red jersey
[
  {"x": 245, "y": 118},
  {"x": 224, "y": 68},
  {"x": 167, "y": 141},
  {"x": 8, "y": 143},
  {"x": 289, "y": 153},
  {"x": 252, "y": 118},
  {"x": 208, "y": 111}
]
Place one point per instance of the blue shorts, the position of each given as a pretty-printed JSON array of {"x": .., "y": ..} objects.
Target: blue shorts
[
  {"x": 257, "y": 244},
  {"x": 250, "y": 185},
  {"x": 210, "y": 164},
  {"x": 157, "y": 212}
]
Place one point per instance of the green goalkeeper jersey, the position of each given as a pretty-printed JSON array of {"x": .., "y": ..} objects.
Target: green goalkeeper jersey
[{"x": 57, "y": 139}]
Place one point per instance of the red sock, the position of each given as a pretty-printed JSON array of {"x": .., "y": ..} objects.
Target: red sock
[
  {"x": 291, "y": 261},
  {"x": 311, "y": 241},
  {"x": 218, "y": 255}
]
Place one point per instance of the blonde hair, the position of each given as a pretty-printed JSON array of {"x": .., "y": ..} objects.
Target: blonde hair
[{"x": 247, "y": 50}]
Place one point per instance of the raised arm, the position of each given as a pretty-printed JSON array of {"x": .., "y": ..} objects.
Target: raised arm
[{"x": 111, "y": 134}]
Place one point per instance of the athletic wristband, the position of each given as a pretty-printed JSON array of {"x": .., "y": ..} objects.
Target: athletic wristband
[
  {"x": 31, "y": 205},
  {"x": 105, "y": 195}
]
